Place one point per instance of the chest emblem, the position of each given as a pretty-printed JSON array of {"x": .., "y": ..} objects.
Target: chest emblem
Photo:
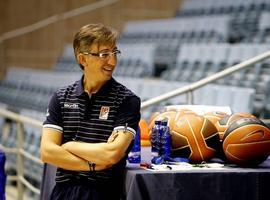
[
  {"x": 104, "y": 112},
  {"x": 71, "y": 105}
]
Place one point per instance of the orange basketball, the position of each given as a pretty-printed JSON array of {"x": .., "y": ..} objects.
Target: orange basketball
[
  {"x": 194, "y": 137},
  {"x": 247, "y": 142},
  {"x": 223, "y": 123}
]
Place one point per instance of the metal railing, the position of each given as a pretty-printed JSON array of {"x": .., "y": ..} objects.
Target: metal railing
[
  {"x": 21, "y": 120},
  {"x": 190, "y": 88},
  {"x": 20, "y": 152}
]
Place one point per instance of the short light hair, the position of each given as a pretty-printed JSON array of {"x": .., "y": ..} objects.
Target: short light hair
[{"x": 93, "y": 34}]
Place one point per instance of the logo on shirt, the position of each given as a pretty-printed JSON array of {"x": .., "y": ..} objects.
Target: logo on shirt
[
  {"x": 71, "y": 105},
  {"x": 104, "y": 112}
]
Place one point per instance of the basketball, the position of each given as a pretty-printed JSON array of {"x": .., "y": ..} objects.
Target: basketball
[
  {"x": 194, "y": 137},
  {"x": 223, "y": 123},
  {"x": 247, "y": 142}
]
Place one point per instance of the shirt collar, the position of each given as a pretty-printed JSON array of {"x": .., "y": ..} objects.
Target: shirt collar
[{"x": 80, "y": 88}]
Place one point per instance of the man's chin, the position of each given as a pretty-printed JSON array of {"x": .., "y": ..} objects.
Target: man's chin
[{"x": 107, "y": 75}]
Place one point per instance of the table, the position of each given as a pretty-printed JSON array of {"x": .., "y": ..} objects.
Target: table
[{"x": 202, "y": 184}]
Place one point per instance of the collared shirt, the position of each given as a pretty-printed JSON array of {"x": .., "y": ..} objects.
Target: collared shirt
[{"x": 92, "y": 119}]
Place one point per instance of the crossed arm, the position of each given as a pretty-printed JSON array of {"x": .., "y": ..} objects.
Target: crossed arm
[{"x": 75, "y": 155}]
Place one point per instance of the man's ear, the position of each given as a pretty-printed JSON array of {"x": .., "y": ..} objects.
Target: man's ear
[{"x": 82, "y": 59}]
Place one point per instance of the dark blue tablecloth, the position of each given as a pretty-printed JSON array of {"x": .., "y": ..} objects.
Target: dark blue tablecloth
[{"x": 234, "y": 183}]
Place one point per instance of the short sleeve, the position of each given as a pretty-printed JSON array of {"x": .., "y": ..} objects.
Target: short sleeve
[
  {"x": 53, "y": 115},
  {"x": 129, "y": 113}
]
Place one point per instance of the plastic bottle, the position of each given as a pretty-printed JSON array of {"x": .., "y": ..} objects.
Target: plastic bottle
[
  {"x": 155, "y": 140},
  {"x": 165, "y": 139},
  {"x": 134, "y": 155}
]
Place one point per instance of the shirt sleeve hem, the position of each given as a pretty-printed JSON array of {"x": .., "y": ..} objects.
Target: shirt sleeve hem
[
  {"x": 124, "y": 128},
  {"x": 52, "y": 126}
]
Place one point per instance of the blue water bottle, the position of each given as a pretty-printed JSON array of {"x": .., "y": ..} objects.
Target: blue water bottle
[
  {"x": 2, "y": 175},
  {"x": 134, "y": 155},
  {"x": 155, "y": 140},
  {"x": 165, "y": 140}
]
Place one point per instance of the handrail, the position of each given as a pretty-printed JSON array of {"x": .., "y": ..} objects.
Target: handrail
[
  {"x": 22, "y": 151},
  {"x": 19, "y": 118},
  {"x": 204, "y": 81},
  {"x": 29, "y": 185}
]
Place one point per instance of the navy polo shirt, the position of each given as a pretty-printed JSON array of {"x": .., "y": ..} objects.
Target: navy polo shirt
[{"x": 92, "y": 119}]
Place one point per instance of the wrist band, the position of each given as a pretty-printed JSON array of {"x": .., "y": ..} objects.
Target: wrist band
[{"x": 92, "y": 166}]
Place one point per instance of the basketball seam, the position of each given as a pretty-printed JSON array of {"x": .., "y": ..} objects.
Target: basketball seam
[
  {"x": 244, "y": 124},
  {"x": 207, "y": 147},
  {"x": 260, "y": 142},
  {"x": 195, "y": 139},
  {"x": 185, "y": 138},
  {"x": 231, "y": 133},
  {"x": 235, "y": 157}
]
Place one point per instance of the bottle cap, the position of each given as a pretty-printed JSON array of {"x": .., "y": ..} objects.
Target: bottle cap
[
  {"x": 164, "y": 121},
  {"x": 157, "y": 122}
]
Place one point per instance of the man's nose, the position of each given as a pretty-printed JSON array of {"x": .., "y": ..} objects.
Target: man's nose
[{"x": 112, "y": 60}]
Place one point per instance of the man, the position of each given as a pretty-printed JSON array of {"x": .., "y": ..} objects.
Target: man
[{"x": 90, "y": 124}]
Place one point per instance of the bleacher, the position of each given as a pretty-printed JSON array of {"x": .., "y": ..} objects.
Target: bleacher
[
  {"x": 27, "y": 92},
  {"x": 158, "y": 56},
  {"x": 169, "y": 34}
]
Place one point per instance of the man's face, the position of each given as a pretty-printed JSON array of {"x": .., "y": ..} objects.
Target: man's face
[{"x": 100, "y": 64}]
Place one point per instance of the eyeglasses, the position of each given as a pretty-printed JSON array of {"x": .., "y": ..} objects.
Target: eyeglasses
[{"x": 104, "y": 55}]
